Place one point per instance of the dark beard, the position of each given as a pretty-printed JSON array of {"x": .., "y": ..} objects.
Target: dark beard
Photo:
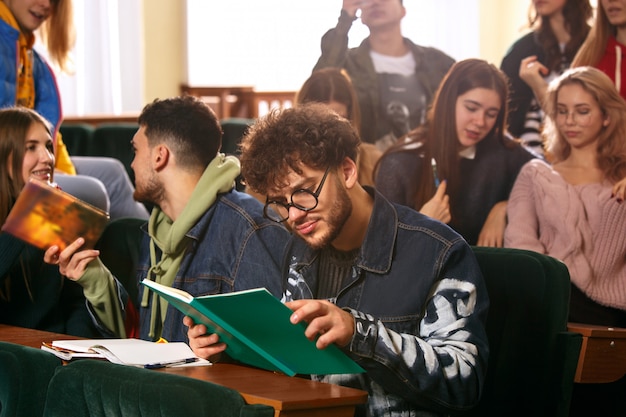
[
  {"x": 151, "y": 192},
  {"x": 337, "y": 218}
]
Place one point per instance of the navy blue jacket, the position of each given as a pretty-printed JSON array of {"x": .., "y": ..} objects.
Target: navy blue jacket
[{"x": 419, "y": 304}]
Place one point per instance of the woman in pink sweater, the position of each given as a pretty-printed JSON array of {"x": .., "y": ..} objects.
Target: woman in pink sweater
[{"x": 573, "y": 209}]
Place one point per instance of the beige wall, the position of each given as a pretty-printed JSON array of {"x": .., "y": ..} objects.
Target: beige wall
[
  {"x": 501, "y": 23},
  {"x": 164, "y": 52}
]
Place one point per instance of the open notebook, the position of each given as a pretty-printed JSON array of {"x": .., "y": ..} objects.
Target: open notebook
[{"x": 133, "y": 352}]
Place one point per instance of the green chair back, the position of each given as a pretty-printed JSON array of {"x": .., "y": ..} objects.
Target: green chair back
[
  {"x": 98, "y": 389},
  {"x": 24, "y": 376},
  {"x": 532, "y": 357},
  {"x": 113, "y": 140},
  {"x": 119, "y": 247},
  {"x": 78, "y": 137}
]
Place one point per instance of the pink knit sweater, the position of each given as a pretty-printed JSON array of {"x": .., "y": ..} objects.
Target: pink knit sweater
[{"x": 579, "y": 224}]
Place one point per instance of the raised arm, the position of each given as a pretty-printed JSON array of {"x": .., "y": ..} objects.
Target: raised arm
[{"x": 335, "y": 41}]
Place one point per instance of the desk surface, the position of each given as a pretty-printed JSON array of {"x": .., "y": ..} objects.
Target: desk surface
[{"x": 289, "y": 396}]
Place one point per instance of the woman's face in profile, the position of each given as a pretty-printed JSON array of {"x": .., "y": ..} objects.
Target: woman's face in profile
[{"x": 476, "y": 114}]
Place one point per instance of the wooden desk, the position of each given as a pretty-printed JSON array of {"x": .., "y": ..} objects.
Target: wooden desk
[
  {"x": 290, "y": 397},
  {"x": 602, "y": 354}
]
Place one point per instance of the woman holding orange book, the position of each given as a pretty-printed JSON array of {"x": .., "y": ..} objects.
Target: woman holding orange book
[{"x": 33, "y": 294}]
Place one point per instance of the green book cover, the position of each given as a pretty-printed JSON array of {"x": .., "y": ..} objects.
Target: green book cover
[{"x": 256, "y": 329}]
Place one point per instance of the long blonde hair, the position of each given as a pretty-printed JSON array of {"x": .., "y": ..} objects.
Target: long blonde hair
[
  {"x": 592, "y": 49},
  {"x": 611, "y": 148},
  {"x": 58, "y": 33}
]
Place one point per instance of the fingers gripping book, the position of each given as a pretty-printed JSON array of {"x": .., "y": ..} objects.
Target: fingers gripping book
[{"x": 256, "y": 329}]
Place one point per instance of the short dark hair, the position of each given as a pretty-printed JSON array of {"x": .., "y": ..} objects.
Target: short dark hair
[
  {"x": 310, "y": 134},
  {"x": 187, "y": 125}
]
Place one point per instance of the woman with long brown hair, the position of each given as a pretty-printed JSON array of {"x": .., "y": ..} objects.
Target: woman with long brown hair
[
  {"x": 33, "y": 294},
  {"x": 462, "y": 146},
  {"x": 559, "y": 28}
]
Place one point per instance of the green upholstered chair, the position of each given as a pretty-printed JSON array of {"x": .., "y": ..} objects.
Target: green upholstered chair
[
  {"x": 78, "y": 138},
  {"x": 113, "y": 140},
  {"x": 119, "y": 248},
  {"x": 234, "y": 129},
  {"x": 97, "y": 389},
  {"x": 532, "y": 358},
  {"x": 24, "y": 376}
]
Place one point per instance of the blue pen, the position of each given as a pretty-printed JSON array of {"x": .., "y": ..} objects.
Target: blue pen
[
  {"x": 167, "y": 364},
  {"x": 433, "y": 163}
]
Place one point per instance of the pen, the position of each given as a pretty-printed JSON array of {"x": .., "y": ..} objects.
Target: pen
[
  {"x": 433, "y": 163},
  {"x": 167, "y": 364}
]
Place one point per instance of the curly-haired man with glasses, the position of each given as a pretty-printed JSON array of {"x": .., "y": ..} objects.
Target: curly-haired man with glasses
[{"x": 400, "y": 293}]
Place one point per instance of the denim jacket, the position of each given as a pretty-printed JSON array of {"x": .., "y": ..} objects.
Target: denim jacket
[
  {"x": 419, "y": 304},
  {"x": 234, "y": 248}
]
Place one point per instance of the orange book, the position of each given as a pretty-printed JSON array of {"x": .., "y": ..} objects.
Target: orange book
[{"x": 44, "y": 216}]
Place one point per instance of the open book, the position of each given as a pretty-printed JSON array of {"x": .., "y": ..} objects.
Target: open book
[
  {"x": 133, "y": 352},
  {"x": 256, "y": 329},
  {"x": 44, "y": 216}
]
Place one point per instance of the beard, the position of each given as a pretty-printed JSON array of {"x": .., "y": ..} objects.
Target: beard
[
  {"x": 149, "y": 191},
  {"x": 337, "y": 218}
]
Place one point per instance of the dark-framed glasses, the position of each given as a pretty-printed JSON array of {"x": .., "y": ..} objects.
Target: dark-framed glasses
[{"x": 302, "y": 199}]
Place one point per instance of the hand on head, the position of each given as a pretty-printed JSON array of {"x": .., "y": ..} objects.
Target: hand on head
[{"x": 351, "y": 6}]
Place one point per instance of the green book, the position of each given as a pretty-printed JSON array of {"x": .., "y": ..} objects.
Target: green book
[{"x": 256, "y": 329}]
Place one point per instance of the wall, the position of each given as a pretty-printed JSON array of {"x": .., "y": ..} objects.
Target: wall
[
  {"x": 164, "y": 40},
  {"x": 501, "y": 23}
]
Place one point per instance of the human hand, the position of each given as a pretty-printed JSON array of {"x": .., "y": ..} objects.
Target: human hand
[
  {"x": 72, "y": 264},
  {"x": 619, "y": 190},
  {"x": 531, "y": 71},
  {"x": 333, "y": 324},
  {"x": 203, "y": 345},
  {"x": 438, "y": 207},
  {"x": 351, "y": 6},
  {"x": 492, "y": 233}
]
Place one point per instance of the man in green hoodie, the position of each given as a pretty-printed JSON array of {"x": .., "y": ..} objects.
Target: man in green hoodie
[{"x": 203, "y": 236}]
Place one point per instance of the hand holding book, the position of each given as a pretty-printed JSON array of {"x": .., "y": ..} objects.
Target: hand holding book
[{"x": 256, "y": 328}]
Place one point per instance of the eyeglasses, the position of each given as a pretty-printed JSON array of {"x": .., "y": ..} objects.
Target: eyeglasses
[
  {"x": 302, "y": 199},
  {"x": 580, "y": 117}
]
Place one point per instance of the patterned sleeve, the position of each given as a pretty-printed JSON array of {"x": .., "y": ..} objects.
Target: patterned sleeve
[{"x": 444, "y": 363}]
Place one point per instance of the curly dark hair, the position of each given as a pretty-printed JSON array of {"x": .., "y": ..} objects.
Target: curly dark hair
[{"x": 284, "y": 140}]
